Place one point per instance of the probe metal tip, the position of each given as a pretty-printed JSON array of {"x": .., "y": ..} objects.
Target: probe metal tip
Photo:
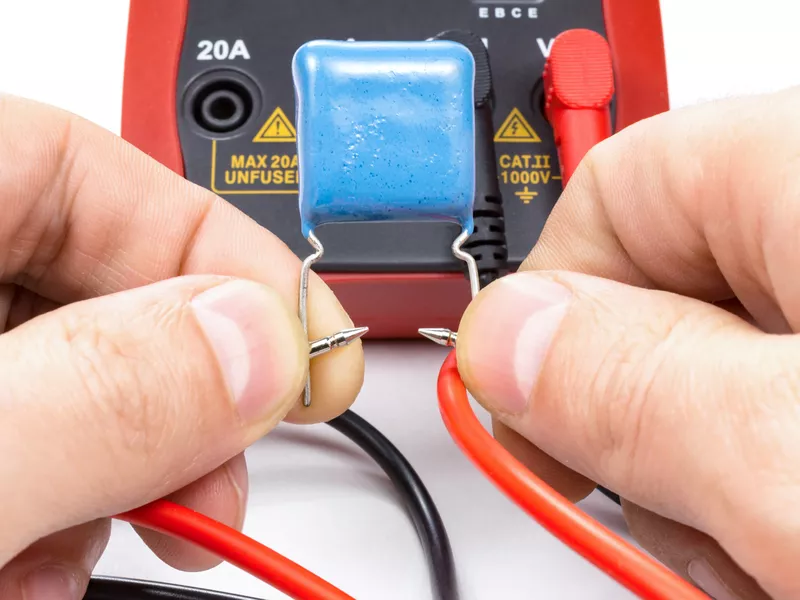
[
  {"x": 337, "y": 340},
  {"x": 348, "y": 336},
  {"x": 443, "y": 337}
]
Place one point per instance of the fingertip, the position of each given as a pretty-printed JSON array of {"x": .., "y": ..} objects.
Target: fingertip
[
  {"x": 259, "y": 347},
  {"x": 336, "y": 377},
  {"x": 298, "y": 347},
  {"x": 56, "y": 566},
  {"x": 570, "y": 484},
  {"x": 692, "y": 554},
  {"x": 336, "y": 380},
  {"x": 220, "y": 495},
  {"x": 507, "y": 335},
  {"x": 489, "y": 340},
  {"x": 469, "y": 334}
]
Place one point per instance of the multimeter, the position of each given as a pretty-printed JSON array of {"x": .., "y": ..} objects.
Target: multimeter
[{"x": 208, "y": 92}]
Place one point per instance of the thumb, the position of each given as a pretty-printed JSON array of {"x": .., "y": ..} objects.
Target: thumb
[
  {"x": 114, "y": 402},
  {"x": 678, "y": 405}
]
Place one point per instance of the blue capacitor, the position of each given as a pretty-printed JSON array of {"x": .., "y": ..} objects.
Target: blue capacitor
[{"x": 385, "y": 132}]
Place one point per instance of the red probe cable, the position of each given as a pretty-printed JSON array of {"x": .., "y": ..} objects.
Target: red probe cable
[
  {"x": 636, "y": 571},
  {"x": 235, "y": 548}
]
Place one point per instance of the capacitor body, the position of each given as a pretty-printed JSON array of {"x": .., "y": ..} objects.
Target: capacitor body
[{"x": 385, "y": 131}]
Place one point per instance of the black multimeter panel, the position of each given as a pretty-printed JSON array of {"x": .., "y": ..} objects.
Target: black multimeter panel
[{"x": 236, "y": 113}]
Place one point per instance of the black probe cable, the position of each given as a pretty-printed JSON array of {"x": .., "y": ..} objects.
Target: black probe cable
[
  {"x": 488, "y": 244},
  {"x": 614, "y": 497},
  {"x": 107, "y": 588},
  {"x": 417, "y": 499}
]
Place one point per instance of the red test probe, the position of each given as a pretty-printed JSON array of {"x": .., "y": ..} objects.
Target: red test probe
[{"x": 579, "y": 85}]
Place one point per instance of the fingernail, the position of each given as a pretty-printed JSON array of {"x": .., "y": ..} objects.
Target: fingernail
[
  {"x": 51, "y": 582},
  {"x": 506, "y": 336},
  {"x": 255, "y": 344},
  {"x": 706, "y": 578}
]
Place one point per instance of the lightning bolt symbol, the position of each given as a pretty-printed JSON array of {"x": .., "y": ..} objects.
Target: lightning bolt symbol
[{"x": 514, "y": 127}]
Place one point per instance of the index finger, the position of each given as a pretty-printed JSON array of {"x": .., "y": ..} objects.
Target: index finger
[
  {"x": 86, "y": 214},
  {"x": 700, "y": 202}
]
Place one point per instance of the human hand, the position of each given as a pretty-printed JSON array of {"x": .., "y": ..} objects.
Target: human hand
[
  {"x": 649, "y": 345},
  {"x": 151, "y": 336}
]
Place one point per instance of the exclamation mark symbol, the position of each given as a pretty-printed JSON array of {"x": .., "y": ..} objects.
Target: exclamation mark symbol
[{"x": 278, "y": 128}]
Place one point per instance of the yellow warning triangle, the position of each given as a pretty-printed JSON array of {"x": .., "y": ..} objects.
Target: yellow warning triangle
[
  {"x": 516, "y": 129},
  {"x": 278, "y": 128}
]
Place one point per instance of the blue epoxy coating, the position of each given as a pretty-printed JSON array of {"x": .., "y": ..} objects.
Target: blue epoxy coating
[{"x": 385, "y": 132}]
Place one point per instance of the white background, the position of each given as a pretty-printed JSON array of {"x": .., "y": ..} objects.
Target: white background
[{"x": 314, "y": 497}]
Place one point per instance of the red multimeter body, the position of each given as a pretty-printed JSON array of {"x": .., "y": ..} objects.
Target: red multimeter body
[{"x": 208, "y": 93}]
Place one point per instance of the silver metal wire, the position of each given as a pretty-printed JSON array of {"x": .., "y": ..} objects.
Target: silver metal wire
[
  {"x": 472, "y": 265},
  {"x": 305, "y": 274},
  {"x": 445, "y": 337}
]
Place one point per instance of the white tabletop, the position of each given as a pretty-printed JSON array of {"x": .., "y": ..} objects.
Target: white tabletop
[{"x": 314, "y": 496}]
